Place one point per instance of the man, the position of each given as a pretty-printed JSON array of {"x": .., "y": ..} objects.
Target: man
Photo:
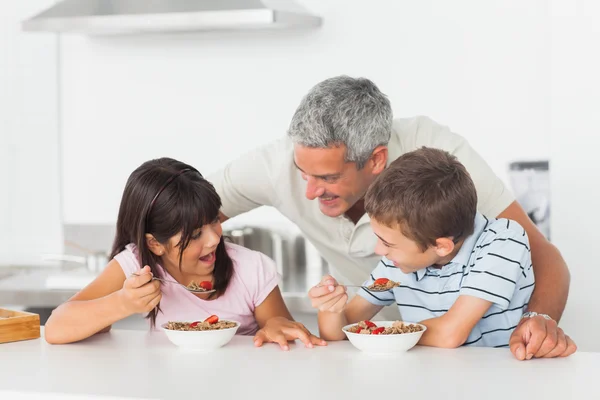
[{"x": 341, "y": 138}]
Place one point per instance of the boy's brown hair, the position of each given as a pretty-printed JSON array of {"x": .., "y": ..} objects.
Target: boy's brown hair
[{"x": 428, "y": 194}]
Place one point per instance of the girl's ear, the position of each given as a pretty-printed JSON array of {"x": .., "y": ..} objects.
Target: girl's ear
[{"x": 154, "y": 245}]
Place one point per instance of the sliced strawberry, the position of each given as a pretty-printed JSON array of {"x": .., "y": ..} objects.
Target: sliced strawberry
[
  {"x": 206, "y": 285},
  {"x": 358, "y": 330},
  {"x": 381, "y": 281},
  {"x": 378, "y": 330},
  {"x": 369, "y": 324},
  {"x": 213, "y": 319},
  {"x": 194, "y": 324}
]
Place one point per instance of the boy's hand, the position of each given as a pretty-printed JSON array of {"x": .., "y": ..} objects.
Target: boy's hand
[
  {"x": 280, "y": 330},
  {"x": 328, "y": 295},
  {"x": 140, "y": 294}
]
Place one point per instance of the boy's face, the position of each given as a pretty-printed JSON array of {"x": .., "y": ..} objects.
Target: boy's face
[{"x": 402, "y": 251}]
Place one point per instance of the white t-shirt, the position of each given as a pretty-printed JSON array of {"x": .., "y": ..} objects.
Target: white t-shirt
[{"x": 267, "y": 176}]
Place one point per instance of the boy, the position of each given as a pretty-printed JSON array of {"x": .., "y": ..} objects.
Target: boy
[{"x": 464, "y": 276}]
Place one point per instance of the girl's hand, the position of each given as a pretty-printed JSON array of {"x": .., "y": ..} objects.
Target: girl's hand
[
  {"x": 140, "y": 294},
  {"x": 328, "y": 295},
  {"x": 280, "y": 330}
]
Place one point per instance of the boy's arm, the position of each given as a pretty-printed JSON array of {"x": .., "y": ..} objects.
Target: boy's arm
[
  {"x": 501, "y": 274},
  {"x": 331, "y": 323},
  {"x": 330, "y": 299},
  {"x": 452, "y": 329}
]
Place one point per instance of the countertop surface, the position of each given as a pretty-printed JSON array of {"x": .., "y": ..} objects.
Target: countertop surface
[{"x": 141, "y": 364}]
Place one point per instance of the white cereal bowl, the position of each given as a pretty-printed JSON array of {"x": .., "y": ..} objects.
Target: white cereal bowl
[
  {"x": 384, "y": 344},
  {"x": 201, "y": 340}
]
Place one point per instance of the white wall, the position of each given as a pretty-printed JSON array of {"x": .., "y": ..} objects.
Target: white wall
[
  {"x": 480, "y": 68},
  {"x": 30, "y": 220},
  {"x": 575, "y": 128}
]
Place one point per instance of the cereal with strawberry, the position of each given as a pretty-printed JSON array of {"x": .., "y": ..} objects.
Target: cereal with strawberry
[
  {"x": 203, "y": 286},
  {"x": 382, "y": 284},
  {"x": 211, "y": 323},
  {"x": 370, "y": 328}
]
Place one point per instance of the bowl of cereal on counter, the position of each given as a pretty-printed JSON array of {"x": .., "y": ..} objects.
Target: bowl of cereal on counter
[
  {"x": 383, "y": 337},
  {"x": 206, "y": 335}
]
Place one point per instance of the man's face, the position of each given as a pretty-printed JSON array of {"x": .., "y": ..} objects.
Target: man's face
[{"x": 337, "y": 184}]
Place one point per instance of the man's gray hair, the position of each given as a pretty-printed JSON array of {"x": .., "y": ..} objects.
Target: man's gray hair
[{"x": 344, "y": 110}]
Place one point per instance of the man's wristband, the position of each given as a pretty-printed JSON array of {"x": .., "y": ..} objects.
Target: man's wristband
[{"x": 531, "y": 314}]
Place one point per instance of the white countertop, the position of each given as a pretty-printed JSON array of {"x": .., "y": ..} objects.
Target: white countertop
[{"x": 138, "y": 364}]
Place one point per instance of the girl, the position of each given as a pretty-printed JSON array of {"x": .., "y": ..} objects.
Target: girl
[{"x": 168, "y": 223}]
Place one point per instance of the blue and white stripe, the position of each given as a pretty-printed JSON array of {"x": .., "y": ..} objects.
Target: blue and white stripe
[{"x": 494, "y": 264}]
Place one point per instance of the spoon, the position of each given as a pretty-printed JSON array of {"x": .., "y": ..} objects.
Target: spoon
[
  {"x": 363, "y": 287},
  {"x": 368, "y": 289},
  {"x": 177, "y": 283}
]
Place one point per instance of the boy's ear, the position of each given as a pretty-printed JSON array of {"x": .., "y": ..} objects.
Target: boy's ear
[
  {"x": 154, "y": 245},
  {"x": 444, "y": 246}
]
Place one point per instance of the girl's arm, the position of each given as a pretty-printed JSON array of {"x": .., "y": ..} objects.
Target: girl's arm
[{"x": 109, "y": 298}]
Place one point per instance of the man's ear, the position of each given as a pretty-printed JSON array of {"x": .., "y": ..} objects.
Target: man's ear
[{"x": 378, "y": 159}]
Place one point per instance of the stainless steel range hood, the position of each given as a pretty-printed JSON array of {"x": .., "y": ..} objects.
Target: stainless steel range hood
[{"x": 106, "y": 17}]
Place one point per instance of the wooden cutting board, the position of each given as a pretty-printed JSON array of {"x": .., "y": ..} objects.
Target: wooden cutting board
[{"x": 18, "y": 325}]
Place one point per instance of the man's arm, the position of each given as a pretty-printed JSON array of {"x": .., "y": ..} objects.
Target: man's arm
[
  {"x": 542, "y": 338},
  {"x": 222, "y": 217},
  {"x": 537, "y": 336},
  {"x": 551, "y": 272},
  {"x": 495, "y": 200}
]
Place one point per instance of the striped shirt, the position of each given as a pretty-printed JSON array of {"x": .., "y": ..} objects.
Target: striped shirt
[{"x": 493, "y": 264}]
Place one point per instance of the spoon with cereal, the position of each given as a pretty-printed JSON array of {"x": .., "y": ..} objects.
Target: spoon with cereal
[
  {"x": 202, "y": 287},
  {"x": 379, "y": 285}
]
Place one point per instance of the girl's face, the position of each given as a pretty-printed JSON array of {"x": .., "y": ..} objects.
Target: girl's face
[{"x": 199, "y": 256}]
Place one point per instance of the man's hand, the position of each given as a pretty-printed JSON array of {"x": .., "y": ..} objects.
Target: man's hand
[{"x": 539, "y": 337}]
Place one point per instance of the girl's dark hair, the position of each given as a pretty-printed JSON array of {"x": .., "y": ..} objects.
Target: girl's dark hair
[{"x": 164, "y": 197}]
